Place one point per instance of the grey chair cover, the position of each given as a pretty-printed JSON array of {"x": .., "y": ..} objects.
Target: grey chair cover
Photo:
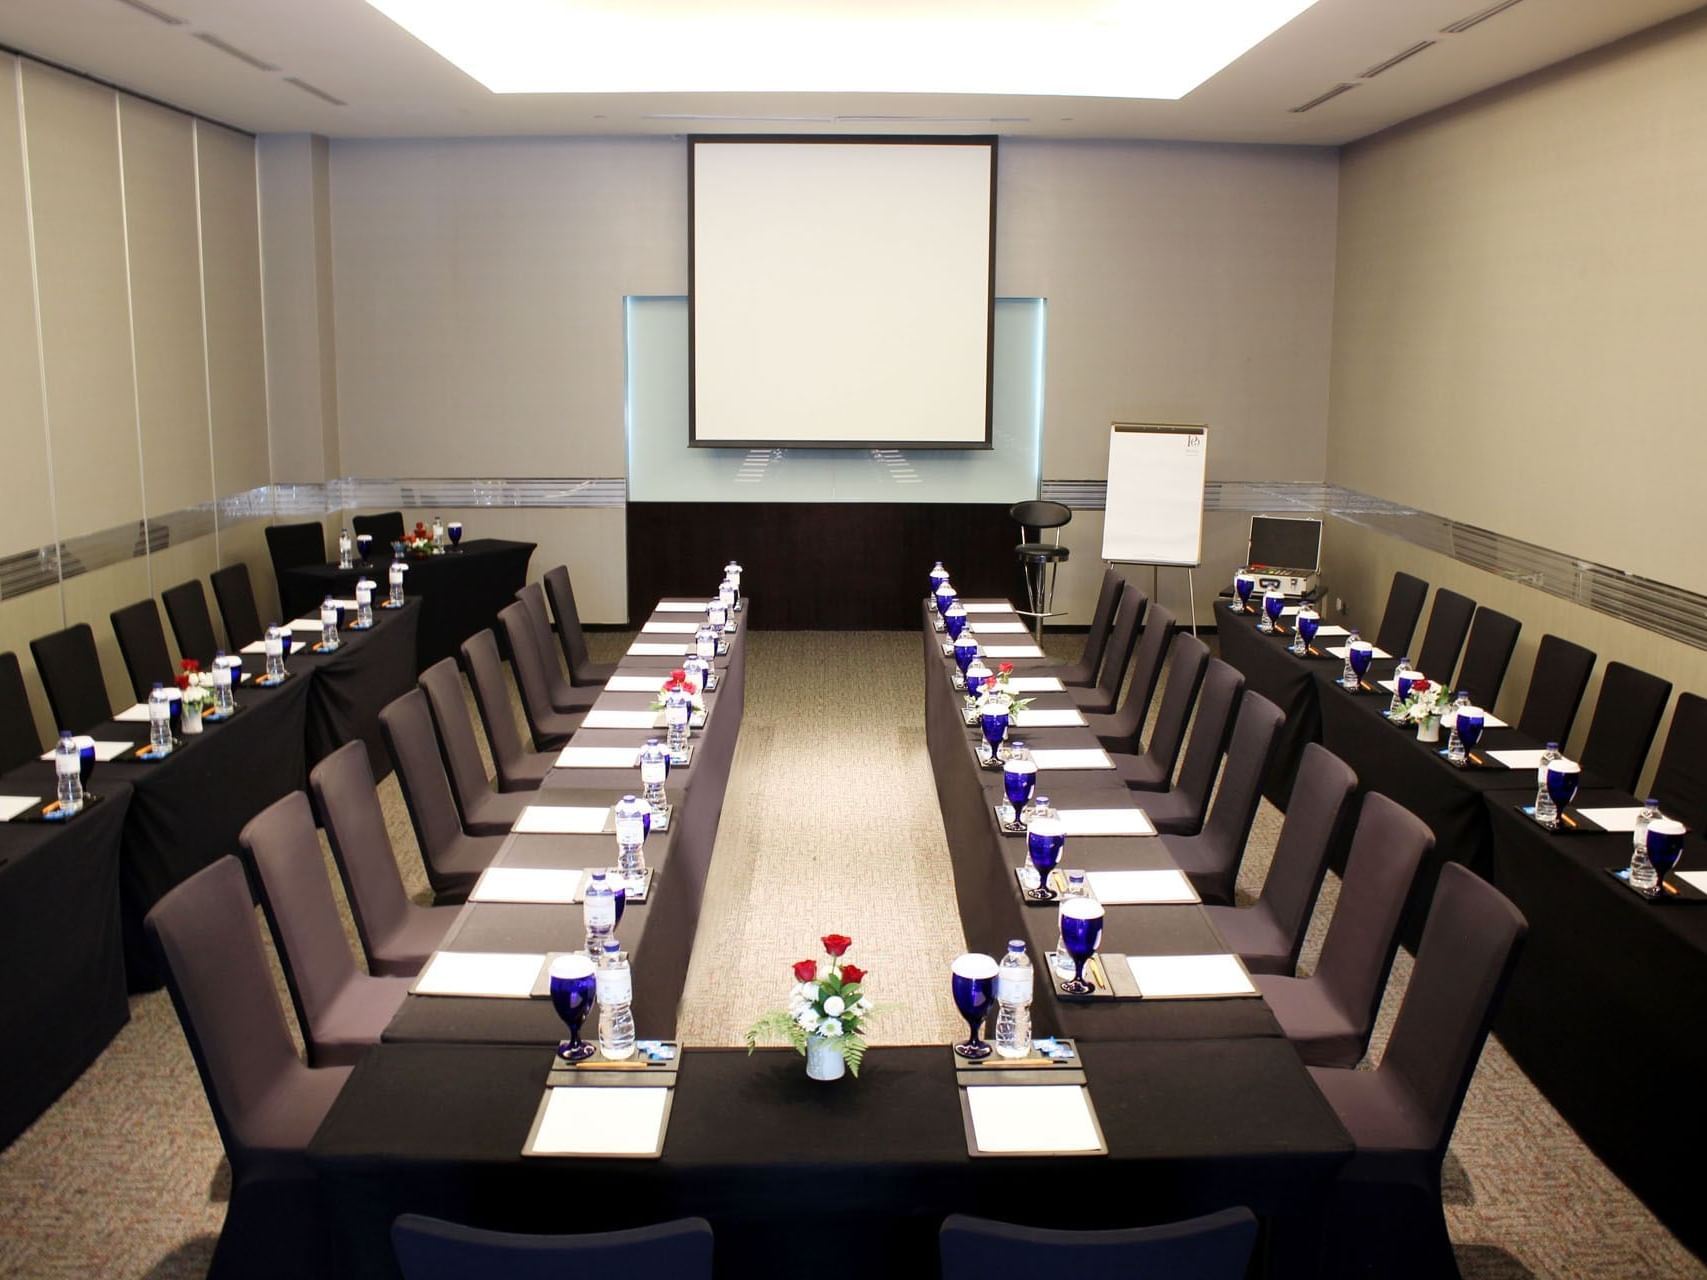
[
  {"x": 1181, "y": 809},
  {"x": 1329, "y": 1015},
  {"x": 1443, "y": 638},
  {"x": 1626, "y": 717},
  {"x": 1404, "y": 606},
  {"x": 518, "y": 768},
  {"x": 70, "y": 671},
  {"x": 582, "y": 669},
  {"x": 432, "y": 1249},
  {"x": 549, "y": 727},
  {"x": 186, "y": 610},
  {"x": 1123, "y": 730},
  {"x": 1269, "y": 933},
  {"x": 1217, "y": 1246},
  {"x": 19, "y": 741},
  {"x": 1556, "y": 688},
  {"x": 453, "y": 858},
  {"x": 564, "y": 696},
  {"x": 397, "y": 935},
  {"x": 1487, "y": 654},
  {"x": 1680, "y": 780},
  {"x": 385, "y": 527},
  {"x": 1084, "y": 671},
  {"x": 142, "y": 644},
  {"x": 265, "y": 1102},
  {"x": 1100, "y": 697},
  {"x": 340, "y": 1009},
  {"x": 485, "y": 811},
  {"x": 1153, "y": 769},
  {"x": 236, "y": 597}
]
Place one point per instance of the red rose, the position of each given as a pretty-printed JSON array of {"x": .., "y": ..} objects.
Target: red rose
[
  {"x": 183, "y": 680},
  {"x": 190, "y": 664},
  {"x": 679, "y": 674},
  {"x": 1420, "y": 686},
  {"x": 836, "y": 943},
  {"x": 805, "y": 970},
  {"x": 689, "y": 688},
  {"x": 852, "y": 973},
  {"x": 1005, "y": 667}
]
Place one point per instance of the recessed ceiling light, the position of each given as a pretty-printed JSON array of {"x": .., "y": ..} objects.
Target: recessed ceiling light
[{"x": 1057, "y": 48}]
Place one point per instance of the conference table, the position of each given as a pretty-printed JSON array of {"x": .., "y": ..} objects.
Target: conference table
[{"x": 460, "y": 591}]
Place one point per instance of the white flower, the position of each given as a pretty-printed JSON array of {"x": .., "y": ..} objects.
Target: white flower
[
  {"x": 834, "y": 1006},
  {"x": 829, "y": 1028},
  {"x": 808, "y": 1021},
  {"x": 859, "y": 1007}
]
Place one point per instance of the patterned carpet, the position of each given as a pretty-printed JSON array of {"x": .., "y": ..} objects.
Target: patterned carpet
[{"x": 124, "y": 1176}]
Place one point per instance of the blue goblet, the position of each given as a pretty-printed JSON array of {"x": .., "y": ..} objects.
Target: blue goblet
[
  {"x": 364, "y": 545},
  {"x": 1081, "y": 930},
  {"x": 1307, "y": 624},
  {"x": 1470, "y": 722},
  {"x": 85, "y": 760},
  {"x": 939, "y": 575},
  {"x": 974, "y": 985},
  {"x": 284, "y": 642},
  {"x": 945, "y": 596},
  {"x": 1019, "y": 779},
  {"x": 994, "y": 722},
  {"x": 1272, "y": 604},
  {"x": 573, "y": 984},
  {"x": 1043, "y": 841},
  {"x": 1563, "y": 776},
  {"x": 955, "y": 620},
  {"x": 965, "y": 649},
  {"x": 1403, "y": 679},
  {"x": 1244, "y": 584},
  {"x": 454, "y": 529},
  {"x": 1665, "y": 846},
  {"x": 1360, "y": 654}
]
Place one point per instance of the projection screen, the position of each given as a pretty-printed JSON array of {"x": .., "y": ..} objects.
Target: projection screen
[{"x": 841, "y": 291}]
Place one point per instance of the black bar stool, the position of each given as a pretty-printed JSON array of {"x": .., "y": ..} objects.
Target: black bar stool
[{"x": 1039, "y": 560}]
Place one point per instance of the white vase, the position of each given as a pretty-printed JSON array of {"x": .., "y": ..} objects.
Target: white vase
[
  {"x": 1429, "y": 730},
  {"x": 823, "y": 1060}
]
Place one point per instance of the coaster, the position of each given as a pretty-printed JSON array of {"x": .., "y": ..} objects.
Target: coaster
[
  {"x": 386, "y": 604},
  {"x": 1096, "y": 971},
  {"x": 683, "y": 758},
  {"x": 1015, "y": 828},
  {"x": 149, "y": 755},
  {"x": 1571, "y": 822},
  {"x": 49, "y": 810},
  {"x": 359, "y": 626},
  {"x": 271, "y": 682},
  {"x": 1057, "y": 888},
  {"x": 660, "y": 819},
  {"x": 947, "y": 650},
  {"x": 1671, "y": 891},
  {"x": 957, "y": 680},
  {"x": 323, "y": 647},
  {"x": 1051, "y": 1056},
  {"x": 632, "y": 896},
  {"x": 1474, "y": 762},
  {"x": 712, "y": 680},
  {"x": 220, "y": 717},
  {"x": 655, "y": 1062}
]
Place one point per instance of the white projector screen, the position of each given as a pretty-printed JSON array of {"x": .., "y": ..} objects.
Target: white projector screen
[{"x": 841, "y": 291}]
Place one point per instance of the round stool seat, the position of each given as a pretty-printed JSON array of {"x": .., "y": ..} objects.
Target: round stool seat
[{"x": 1040, "y": 552}]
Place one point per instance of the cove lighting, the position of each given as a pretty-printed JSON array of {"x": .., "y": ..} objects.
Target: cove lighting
[{"x": 1055, "y": 48}]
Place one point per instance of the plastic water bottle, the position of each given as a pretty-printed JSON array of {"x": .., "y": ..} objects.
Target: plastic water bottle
[
  {"x": 68, "y": 770},
  {"x": 654, "y": 768},
  {"x": 159, "y": 720},
  {"x": 1013, "y": 1002},
  {"x": 1348, "y": 677},
  {"x": 328, "y": 624},
  {"x": 726, "y": 593},
  {"x": 364, "y": 602},
  {"x": 438, "y": 531},
  {"x": 344, "y": 549},
  {"x": 1639, "y": 836},
  {"x": 395, "y": 577},
  {"x": 222, "y": 703},
  {"x": 717, "y": 613},
  {"x": 615, "y": 982},
  {"x": 275, "y": 654},
  {"x": 732, "y": 571},
  {"x": 678, "y": 706},
  {"x": 1546, "y": 812},
  {"x": 705, "y": 642},
  {"x": 1454, "y": 744},
  {"x": 599, "y": 912},
  {"x": 631, "y": 816},
  {"x": 1643, "y": 878},
  {"x": 1077, "y": 887}
]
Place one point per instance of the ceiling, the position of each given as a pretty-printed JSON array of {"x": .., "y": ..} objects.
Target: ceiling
[{"x": 201, "y": 55}]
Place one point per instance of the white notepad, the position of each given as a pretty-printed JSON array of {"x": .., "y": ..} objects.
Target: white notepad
[
  {"x": 1489, "y": 721},
  {"x": 1072, "y": 758},
  {"x": 1048, "y": 1117},
  {"x": 136, "y": 714},
  {"x": 634, "y": 684},
  {"x": 1106, "y": 822},
  {"x": 1035, "y": 684},
  {"x": 495, "y": 974},
  {"x": 681, "y": 606},
  {"x": 305, "y": 624},
  {"x": 1338, "y": 650},
  {"x": 1618, "y": 819},
  {"x": 254, "y": 646},
  {"x": 661, "y": 628},
  {"x": 601, "y": 1122},
  {"x": 1518, "y": 759},
  {"x": 561, "y": 820},
  {"x": 526, "y": 884},
  {"x": 1012, "y": 651},
  {"x": 998, "y": 628},
  {"x": 346, "y": 604},
  {"x": 598, "y": 757},
  {"x": 1696, "y": 879},
  {"x": 1115, "y": 888},
  {"x": 999, "y": 607},
  {"x": 598, "y": 718},
  {"x": 1185, "y": 977},
  {"x": 1329, "y": 632},
  {"x": 640, "y": 649},
  {"x": 104, "y": 750},
  {"x": 12, "y": 806},
  {"x": 1046, "y": 718}
]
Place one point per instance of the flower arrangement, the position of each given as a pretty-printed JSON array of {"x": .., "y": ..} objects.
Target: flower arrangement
[
  {"x": 196, "y": 687},
  {"x": 1003, "y": 686},
  {"x": 419, "y": 542},
  {"x": 1426, "y": 701},
  {"x": 678, "y": 679},
  {"x": 829, "y": 1008}
]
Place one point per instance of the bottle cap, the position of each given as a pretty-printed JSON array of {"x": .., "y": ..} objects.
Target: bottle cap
[{"x": 1016, "y": 944}]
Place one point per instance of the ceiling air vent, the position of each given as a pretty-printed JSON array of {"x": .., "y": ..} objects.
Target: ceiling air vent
[
  {"x": 316, "y": 91},
  {"x": 231, "y": 50},
  {"x": 157, "y": 14},
  {"x": 1320, "y": 98},
  {"x": 1396, "y": 59},
  {"x": 1480, "y": 16}
]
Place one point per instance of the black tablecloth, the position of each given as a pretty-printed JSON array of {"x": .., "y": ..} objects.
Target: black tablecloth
[
  {"x": 370, "y": 670},
  {"x": 1604, "y": 1010},
  {"x": 991, "y": 910},
  {"x": 845, "y": 1179},
  {"x": 461, "y": 591},
  {"x": 1284, "y": 680},
  {"x": 61, "y": 950}
]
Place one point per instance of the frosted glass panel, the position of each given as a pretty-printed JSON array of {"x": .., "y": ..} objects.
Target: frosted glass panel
[{"x": 662, "y": 468}]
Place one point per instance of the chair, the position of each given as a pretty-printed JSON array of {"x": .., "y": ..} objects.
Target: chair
[
  {"x": 19, "y": 741},
  {"x": 1404, "y": 606},
  {"x": 1329, "y": 1015},
  {"x": 431, "y": 1249},
  {"x": 1180, "y": 809},
  {"x": 1268, "y": 934},
  {"x": 1401, "y": 1115},
  {"x": 1099, "y": 699},
  {"x": 1122, "y": 730},
  {"x": 563, "y": 695},
  {"x": 1217, "y": 1246},
  {"x": 1493, "y": 635},
  {"x": 453, "y": 859},
  {"x": 236, "y": 597},
  {"x": 549, "y": 727},
  {"x": 1556, "y": 687},
  {"x": 1084, "y": 671},
  {"x": 290, "y": 546},
  {"x": 70, "y": 671},
  {"x": 1444, "y": 636},
  {"x": 1680, "y": 780},
  {"x": 1039, "y": 560},
  {"x": 582, "y": 669},
  {"x": 1153, "y": 769},
  {"x": 518, "y": 768},
  {"x": 1626, "y": 716},
  {"x": 186, "y": 610},
  {"x": 396, "y": 934},
  {"x": 142, "y": 644},
  {"x": 485, "y": 811},
  {"x": 385, "y": 528},
  {"x": 265, "y": 1102},
  {"x": 340, "y": 1009}
]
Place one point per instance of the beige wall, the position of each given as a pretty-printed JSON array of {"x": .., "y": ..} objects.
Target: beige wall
[{"x": 122, "y": 225}]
